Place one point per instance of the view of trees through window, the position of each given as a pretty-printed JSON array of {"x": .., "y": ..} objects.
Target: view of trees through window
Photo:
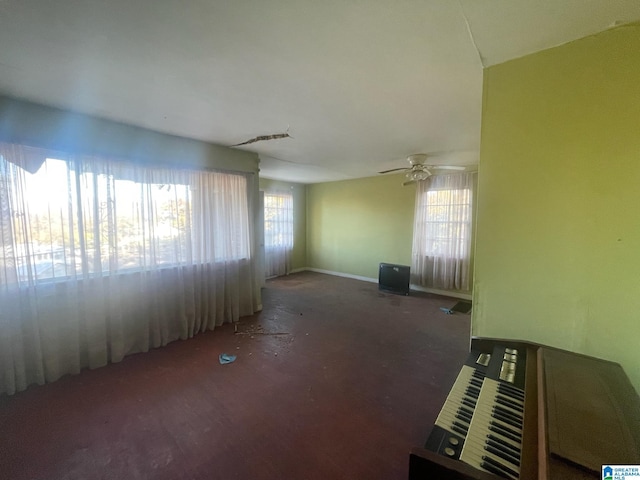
[
  {"x": 447, "y": 221},
  {"x": 278, "y": 220},
  {"x": 64, "y": 223}
]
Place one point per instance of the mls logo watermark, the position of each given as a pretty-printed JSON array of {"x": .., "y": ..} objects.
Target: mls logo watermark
[{"x": 620, "y": 472}]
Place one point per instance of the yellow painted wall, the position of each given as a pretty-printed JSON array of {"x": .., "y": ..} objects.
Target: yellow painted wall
[
  {"x": 353, "y": 225},
  {"x": 558, "y": 228},
  {"x": 299, "y": 254}
]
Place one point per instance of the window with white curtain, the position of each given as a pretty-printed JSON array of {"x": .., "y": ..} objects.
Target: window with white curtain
[
  {"x": 278, "y": 233},
  {"x": 442, "y": 232},
  {"x": 67, "y": 221},
  {"x": 100, "y": 259}
]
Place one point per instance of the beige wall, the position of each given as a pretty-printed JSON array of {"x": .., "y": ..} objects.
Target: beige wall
[
  {"x": 353, "y": 225},
  {"x": 299, "y": 254},
  {"x": 558, "y": 233}
]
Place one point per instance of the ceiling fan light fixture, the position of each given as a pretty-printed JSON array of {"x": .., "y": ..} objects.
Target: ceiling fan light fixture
[{"x": 418, "y": 175}]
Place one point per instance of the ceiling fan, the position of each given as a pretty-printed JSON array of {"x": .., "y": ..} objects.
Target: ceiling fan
[{"x": 418, "y": 170}]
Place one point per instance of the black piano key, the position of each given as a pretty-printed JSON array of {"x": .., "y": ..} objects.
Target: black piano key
[
  {"x": 462, "y": 422},
  {"x": 510, "y": 391},
  {"x": 507, "y": 403},
  {"x": 499, "y": 465},
  {"x": 505, "y": 428},
  {"x": 512, "y": 394},
  {"x": 508, "y": 408},
  {"x": 506, "y": 420},
  {"x": 476, "y": 384},
  {"x": 515, "y": 389},
  {"x": 478, "y": 374},
  {"x": 469, "y": 403},
  {"x": 461, "y": 431},
  {"x": 496, "y": 471},
  {"x": 508, "y": 414},
  {"x": 504, "y": 431},
  {"x": 500, "y": 452},
  {"x": 510, "y": 446},
  {"x": 461, "y": 425},
  {"x": 511, "y": 388},
  {"x": 515, "y": 403},
  {"x": 472, "y": 392},
  {"x": 464, "y": 416},
  {"x": 516, "y": 400},
  {"x": 471, "y": 398},
  {"x": 465, "y": 410}
]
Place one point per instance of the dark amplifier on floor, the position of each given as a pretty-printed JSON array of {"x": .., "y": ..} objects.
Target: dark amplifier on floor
[{"x": 394, "y": 278}]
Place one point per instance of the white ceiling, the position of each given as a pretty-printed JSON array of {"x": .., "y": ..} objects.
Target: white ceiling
[{"x": 360, "y": 84}]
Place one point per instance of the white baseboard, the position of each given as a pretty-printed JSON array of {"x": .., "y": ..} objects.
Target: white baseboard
[
  {"x": 295, "y": 270},
  {"x": 341, "y": 274},
  {"x": 446, "y": 293}
]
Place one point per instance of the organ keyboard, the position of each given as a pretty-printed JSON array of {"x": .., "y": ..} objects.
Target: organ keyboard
[{"x": 519, "y": 410}]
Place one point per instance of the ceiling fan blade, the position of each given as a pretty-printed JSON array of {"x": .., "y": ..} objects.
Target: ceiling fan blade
[
  {"x": 394, "y": 170},
  {"x": 446, "y": 167},
  {"x": 409, "y": 182}
]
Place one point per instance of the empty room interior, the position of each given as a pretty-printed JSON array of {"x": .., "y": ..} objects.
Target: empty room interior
[{"x": 319, "y": 240}]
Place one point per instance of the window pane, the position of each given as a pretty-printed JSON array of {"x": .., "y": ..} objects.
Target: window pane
[
  {"x": 278, "y": 220},
  {"x": 447, "y": 221},
  {"x": 70, "y": 219}
]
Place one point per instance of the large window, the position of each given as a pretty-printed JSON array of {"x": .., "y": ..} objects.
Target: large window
[
  {"x": 278, "y": 233},
  {"x": 446, "y": 222},
  {"x": 442, "y": 232},
  {"x": 100, "y": 259},
  {"x": 69, "y": 219}
]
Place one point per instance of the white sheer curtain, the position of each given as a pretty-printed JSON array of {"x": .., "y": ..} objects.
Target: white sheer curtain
[
  {"x": 442, "y": 232},
  {"x": 278, "y": 232},
  {"x": 103, "y": 259}
]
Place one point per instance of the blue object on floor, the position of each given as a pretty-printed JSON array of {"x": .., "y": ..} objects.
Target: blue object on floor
[
  {"x": 226, "y": 358},
  {"x": 448, "y": 311}
]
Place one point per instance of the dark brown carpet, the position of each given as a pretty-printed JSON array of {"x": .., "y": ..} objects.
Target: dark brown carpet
[{"x": 354, "y": 380}]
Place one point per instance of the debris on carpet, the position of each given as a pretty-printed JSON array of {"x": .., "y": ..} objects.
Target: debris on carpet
[
  {"x": 256, "y": 330},
  {"x": 225, "y": 358}
]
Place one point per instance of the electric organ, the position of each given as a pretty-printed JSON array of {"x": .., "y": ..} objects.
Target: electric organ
[{"x": 519, "y": 410}]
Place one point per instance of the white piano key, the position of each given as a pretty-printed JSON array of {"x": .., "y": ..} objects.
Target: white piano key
[
  {"x": 455, "y": 398},
  {"x": 475, "y": 442}
]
